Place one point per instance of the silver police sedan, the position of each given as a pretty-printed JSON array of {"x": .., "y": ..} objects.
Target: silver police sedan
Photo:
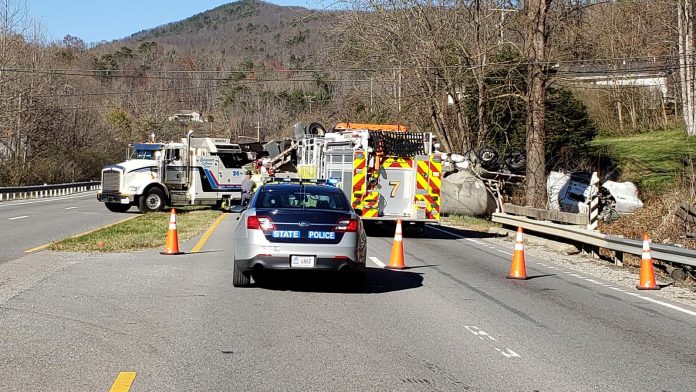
[{"x": 299, "y": 226}]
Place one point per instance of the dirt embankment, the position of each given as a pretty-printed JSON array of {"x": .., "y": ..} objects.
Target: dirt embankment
[{"x": 661, "y": 218}]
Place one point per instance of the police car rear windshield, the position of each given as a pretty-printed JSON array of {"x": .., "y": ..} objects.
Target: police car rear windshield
[{"x": 302, "y": 197}]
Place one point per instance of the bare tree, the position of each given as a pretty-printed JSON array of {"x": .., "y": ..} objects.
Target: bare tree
[{"x": 687, "y": 70}]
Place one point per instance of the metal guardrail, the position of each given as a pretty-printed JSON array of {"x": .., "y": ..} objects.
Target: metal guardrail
[
  {"x": 671, "y": 254},
  {"x": 47, "y": 190}
]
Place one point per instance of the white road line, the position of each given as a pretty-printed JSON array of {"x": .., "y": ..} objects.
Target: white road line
[
  {"x": 674, "y": 307},
  {"x": 48, "y": 200},
  {"x": 70, "y": 208},
  {"x": 637, "y": 295},
  {"x": 18, "y": 217},
  {"x": 377, "y": 262}
]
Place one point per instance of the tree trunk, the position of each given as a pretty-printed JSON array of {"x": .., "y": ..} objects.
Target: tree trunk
[{"x": 537, "y": 48}]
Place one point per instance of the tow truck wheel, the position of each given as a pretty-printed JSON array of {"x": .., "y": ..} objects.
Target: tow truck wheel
[
  {"x": 152, "y": 201},
  {"x": 117, "y": 207}
]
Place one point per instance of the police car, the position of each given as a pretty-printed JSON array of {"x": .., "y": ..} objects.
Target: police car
[{"x": 295, "y": 225}]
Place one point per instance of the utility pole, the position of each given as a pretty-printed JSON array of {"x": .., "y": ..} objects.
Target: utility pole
[
  {"x": 400, "y": 79},
  {"x": 503, "y": 12},
  {"x": 372, "y": 110},
  {"x": 19, "y": 131},
  {"x": 258, "y": 121}
]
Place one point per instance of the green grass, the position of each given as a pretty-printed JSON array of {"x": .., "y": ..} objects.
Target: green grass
[
  {"x": 470, "y": 222},
  {"x": 144, "y": 232},
  {"x": 652, "y": 160}
]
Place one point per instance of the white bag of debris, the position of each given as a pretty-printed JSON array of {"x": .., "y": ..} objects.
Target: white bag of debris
[
  {"x": 456, "y": 158},
  {"x": 626, "y": 196},
  {"x": 555, "y": 184},
  {"x": 569, "y": 192},
  {"x": 463, "y": 193}
]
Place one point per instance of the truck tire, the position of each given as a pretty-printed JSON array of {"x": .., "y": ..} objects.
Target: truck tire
[
  {"x": 117, "y": 207},
  {"x": 153, "y": 200},
  {"x": 240, "y": 278}
]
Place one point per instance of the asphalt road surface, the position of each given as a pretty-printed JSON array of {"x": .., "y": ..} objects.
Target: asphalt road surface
[
  {"x": 451, "y": 322},
  {"x": 25, "y": 224}
]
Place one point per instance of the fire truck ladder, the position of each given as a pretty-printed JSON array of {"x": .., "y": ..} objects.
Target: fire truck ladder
[{"x": 284, "y": 157}]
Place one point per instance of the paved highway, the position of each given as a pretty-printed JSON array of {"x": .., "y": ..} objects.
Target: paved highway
[
  {"x": 25, "y": 224},
  {"x": 449, "y": 323}
]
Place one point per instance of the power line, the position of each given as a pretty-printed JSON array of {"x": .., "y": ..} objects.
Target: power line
[{"x": 143, "y": 74}]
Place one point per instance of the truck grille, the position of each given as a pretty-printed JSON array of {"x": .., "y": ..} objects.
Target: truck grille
[{"x": 111, "y": 181}]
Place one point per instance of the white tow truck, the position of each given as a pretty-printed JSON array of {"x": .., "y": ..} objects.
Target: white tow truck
[{"x": 195, "y": 171}]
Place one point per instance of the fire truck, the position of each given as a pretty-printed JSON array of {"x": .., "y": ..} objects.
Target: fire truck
[
  {"x": 387, "y": 172},
  {"x": 194, "y": 171}
]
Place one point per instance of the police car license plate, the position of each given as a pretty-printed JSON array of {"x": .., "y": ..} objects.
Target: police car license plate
[{"x": 302, "y": 261}]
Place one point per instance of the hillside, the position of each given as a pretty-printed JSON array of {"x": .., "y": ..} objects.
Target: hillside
[{"x": 248, "y": 29}]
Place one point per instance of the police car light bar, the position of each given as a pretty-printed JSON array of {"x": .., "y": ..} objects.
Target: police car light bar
[{"x": 300, "y": 181}]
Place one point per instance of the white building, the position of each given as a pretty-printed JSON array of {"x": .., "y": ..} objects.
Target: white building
[{"x": 187, "y": 116}]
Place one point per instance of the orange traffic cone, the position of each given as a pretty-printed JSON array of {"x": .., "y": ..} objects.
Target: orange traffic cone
[
  {"x": 172, "y": 245},
  {"x": 647, "y": 271},
  {"x": 396, "y": 261},
  {"x": 518, "y": 270}
]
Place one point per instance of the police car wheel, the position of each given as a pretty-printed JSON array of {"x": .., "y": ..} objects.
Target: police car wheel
[
  {"x": 240, "y": 278},
  {"x": 152, "y": 201}
]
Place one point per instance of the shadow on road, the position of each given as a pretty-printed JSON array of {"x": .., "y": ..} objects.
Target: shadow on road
[
  {"x": 377, "y": 281},
  {"x": 434, "y": 232},
  {"x": 539, "y": 276}
]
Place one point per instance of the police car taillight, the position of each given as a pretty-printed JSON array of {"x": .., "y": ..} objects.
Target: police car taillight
[
  {"x": 260, "y": 223},
  {"x": 346, "y": 226}
]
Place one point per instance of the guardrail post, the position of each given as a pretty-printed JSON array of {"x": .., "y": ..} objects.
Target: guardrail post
[{"x": 593, "y": 202}]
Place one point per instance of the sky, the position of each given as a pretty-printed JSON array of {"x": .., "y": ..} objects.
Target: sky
[{"x": 106, "y": 20}]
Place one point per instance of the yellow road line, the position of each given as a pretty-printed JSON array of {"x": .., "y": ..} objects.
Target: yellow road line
[
  {"x": 123, "y": 382},
  {"x": 42, "y": 247},
  {"x": 208, "y": 233}
]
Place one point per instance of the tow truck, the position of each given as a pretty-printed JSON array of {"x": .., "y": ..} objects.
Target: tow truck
[{"x": 194, "y": 171}]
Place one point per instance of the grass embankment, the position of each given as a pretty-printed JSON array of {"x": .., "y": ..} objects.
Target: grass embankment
[
  {"x": 469, "y": 222},
  {"x": 652, "y": 160},
  {"x": 144, "y": 232}
]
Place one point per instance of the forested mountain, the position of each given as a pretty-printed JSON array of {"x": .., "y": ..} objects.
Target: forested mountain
[{"x": 245, "y": 29}]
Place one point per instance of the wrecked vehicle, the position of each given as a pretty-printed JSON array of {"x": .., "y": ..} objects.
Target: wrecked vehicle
[{"x": 571, "y": 192}]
